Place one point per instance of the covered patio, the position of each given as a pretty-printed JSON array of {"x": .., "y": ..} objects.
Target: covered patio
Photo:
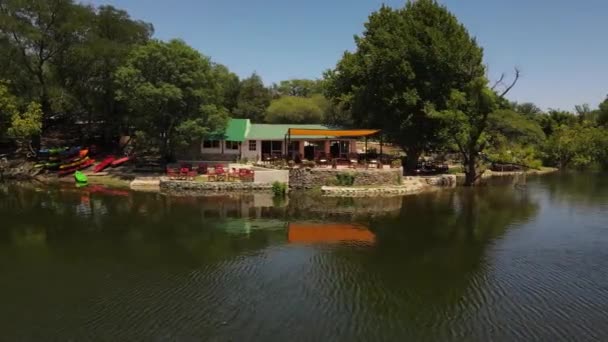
[{"x": 327, "y": 146}]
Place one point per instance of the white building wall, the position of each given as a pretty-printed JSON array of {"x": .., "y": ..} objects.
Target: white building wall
[
  {"x": 252, "y": 155},
  {"x": 218, "y": 150}
]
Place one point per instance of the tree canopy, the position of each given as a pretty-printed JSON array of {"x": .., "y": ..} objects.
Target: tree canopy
[
  {"x": 172, "y": 92},
  {"x": 296, "y": 110},
  {"x": 407, "y": 63},
  {"x": 253, "y": 99}
]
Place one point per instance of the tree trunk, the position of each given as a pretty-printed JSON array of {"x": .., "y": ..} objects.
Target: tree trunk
[
  {"x": 411, "y": 160},
  {"x": 470, "y": 170}
]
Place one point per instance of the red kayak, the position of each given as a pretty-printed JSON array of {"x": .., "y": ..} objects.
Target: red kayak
[
  {"x": 105, "y": 163},
  {"x": 120, "y": 161},
  {"x": 76, "y": 168}
]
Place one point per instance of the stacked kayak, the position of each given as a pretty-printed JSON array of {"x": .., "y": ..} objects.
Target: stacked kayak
[{"x": 81, "y": 166}]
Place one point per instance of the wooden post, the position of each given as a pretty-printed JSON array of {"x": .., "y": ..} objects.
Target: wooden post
[{"x": 366, "y": 152}]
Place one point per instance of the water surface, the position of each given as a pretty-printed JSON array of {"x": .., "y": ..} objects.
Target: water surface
[{"x": 493, "y": 263}]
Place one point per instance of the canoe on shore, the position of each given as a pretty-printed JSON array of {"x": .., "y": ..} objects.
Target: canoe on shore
[
  {"x": 120, "y": 161},
  {"x": 82, "y": 166},
  {"x": 80, "y": 177},
  {"x": 105, "y": 163}
]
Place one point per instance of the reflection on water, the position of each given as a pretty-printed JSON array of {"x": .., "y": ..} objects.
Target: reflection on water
[{"x": 468, "y": 264}]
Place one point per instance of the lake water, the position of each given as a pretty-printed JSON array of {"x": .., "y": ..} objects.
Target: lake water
[{"x": 492, "y": 263}]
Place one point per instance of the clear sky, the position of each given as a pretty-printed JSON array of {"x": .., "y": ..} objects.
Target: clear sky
[{"x": 560, "y": 45}]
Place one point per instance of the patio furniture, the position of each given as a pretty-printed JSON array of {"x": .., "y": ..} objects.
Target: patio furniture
[
  {"x": 233, "y": 175},
  {"x": 191, "y": 175},
  {"x": 220, "y": 173},
  {"x": 353, "y": 159},
  {"x": 246, "y": 175},
  {"x": 211, "y": 175},
  {"x": 202, "y": 169},
  {"x": 172, "y": 173},
  {"x": 322, "y": 159},
  {"x": 183, "y": 173}
]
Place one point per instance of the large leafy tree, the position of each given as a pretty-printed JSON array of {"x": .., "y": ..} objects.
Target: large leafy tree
[
  {"x": 172, "y": 92},
  {"x": 407, "y": 63},
  {"x": 40, "y": 31},
  {"x": 86, "y": 70},
  {"x": 467, "y": 119},
  {"x": 253, "y": 99}
]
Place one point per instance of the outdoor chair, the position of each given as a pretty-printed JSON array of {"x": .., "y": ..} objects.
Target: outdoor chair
[
  {"x": 322, "y": 159},
  {"x": 202, "y": 169},
  {"x": 246, "y": 175},
  {"x": 211, "y": 175},
  {"x": 172, "y": 173},
  {"x": 191, "y": 175},
  {"x": 353, "y": 159},
  {"x": 233, "y": 175},
  {"x": 220, "y": 173}
]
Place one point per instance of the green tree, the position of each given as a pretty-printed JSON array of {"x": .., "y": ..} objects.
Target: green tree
[
  {"x": 172, "y": 92},
  {"x": 298, "y": 87},
  {"x": 467, "y": 120},
  {"x": 579, "y": 146},
  {"x": 26, "y": 125},
  {"x": 407, "y": 64},
  {"x": 20, "y": 126},
  {"x": 40, "y": 31},
  {"x": 8, "y": 108},
  {"x": 295, "y": 110},
  {"x": 602, "y": 116},
  {"x": 253, "y": 99},
  {"x": 229, "y": 84}
]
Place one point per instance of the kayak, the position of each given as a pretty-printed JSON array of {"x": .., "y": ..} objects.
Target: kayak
[
  {"x": 82, "y": 166},
  {"x": 84, "y": 153},
  {"x": 105, "y": 163},
  {"x": 80, "y": 177},
  {"x": 120, "y": 161},
  {"x": 74, "y": 163},
  {"x": 74, "y": 151}
]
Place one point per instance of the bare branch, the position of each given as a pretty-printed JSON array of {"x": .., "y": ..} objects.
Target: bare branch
[
  {"x": 502, "y": 77},
  {"x": 506, "y": 91}
]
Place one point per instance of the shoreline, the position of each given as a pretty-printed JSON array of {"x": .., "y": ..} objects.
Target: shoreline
[{"x": 410, "y": 185}]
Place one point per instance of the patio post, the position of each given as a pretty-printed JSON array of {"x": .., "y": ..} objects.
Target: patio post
[{"x": 366, "y": 149}]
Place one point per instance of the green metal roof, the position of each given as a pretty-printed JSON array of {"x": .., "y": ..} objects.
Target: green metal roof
[
  {"x": 277, "y": 132},
  {"x": 237, "y": 130}
]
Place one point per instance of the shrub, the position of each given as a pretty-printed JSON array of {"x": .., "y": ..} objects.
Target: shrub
[
  {"x": 345, "y": 179},
  {"x": 309, "y": 163},
  {"x": 396, "y": 163},
  {"x": 279, "y": 189}
]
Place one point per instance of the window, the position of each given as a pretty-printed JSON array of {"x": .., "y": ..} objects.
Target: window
[
  {"x": 211, "y": 144},
  {"x": 253, "y": 145},
  {"x": 232, "y": 145}
]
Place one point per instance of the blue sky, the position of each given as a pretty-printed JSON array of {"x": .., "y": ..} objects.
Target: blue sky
[{"x": 559, "y": 45}]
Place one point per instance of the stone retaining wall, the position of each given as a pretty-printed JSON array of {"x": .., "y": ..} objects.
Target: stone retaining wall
[
  {"x": 440, "y": 180},
  {"x": 307, "y": 178},
  {"x": 199, "y": 188}
]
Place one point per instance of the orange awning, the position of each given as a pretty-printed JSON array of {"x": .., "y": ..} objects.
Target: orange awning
[
  {"x": 328, "y": 233},
  {"x": 332, "y": 132}
]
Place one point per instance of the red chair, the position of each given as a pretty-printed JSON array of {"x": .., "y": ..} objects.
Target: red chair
[
  {"x": 246, "y": 175},
  {"x": 202, "y": 169},
  {"x": 220, "y": 173},
  {"x": 192, "y": 174},
  {"x": 172, "y": 173}
]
